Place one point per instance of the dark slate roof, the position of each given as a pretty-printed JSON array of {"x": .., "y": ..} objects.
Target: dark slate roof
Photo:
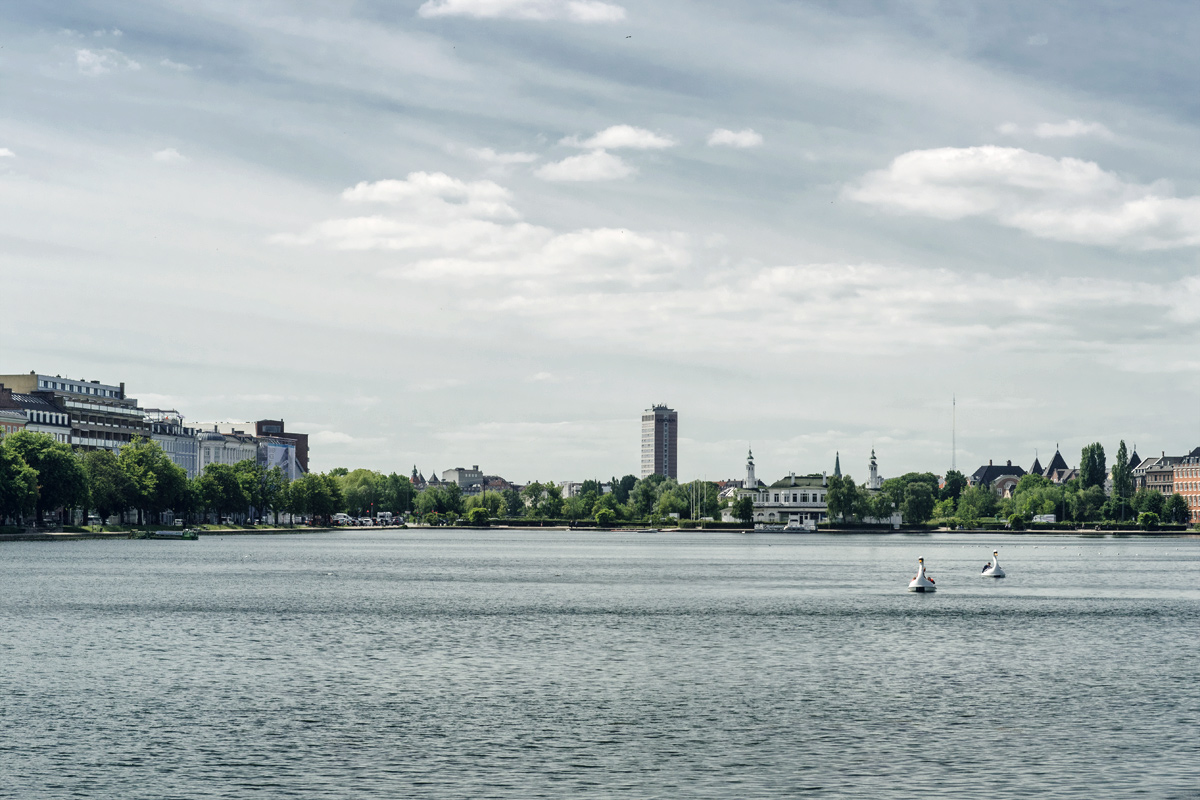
[
  {"x": 1057, "y": 463},
  {"x": 1135, "y": 459},
  {"x": 1194, "y": 454},
  {"x": 1036, "y": 469},
  {"x": 35, "y": 402},
  {"x": 988, "y": 474}
]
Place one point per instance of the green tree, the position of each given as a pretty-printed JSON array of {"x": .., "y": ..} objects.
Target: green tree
[
  {"x": 155, "y": 483},
  {"x": 1122, "y": 475},
  {"x": 943, "y": 509},
  {"x": 644, "y": 495},
  {"x": 478, "y": 517},
  {"x": 1086, "y": 504},
  {"x": 61, "y": 481},
  {"x": 1148, "y": 521},
  {"x": 574, "y": 508},
  {"x": 841, "y": 498},
  {"x": 621, "y": 488},
  {"x": 1092, "y": 467},
  {"x": 363, "y": 490},
  {"x": 274, "y": 490},
  {"x": 221, "y": 491},
  {"x": 252, "y": 477},
  {"x": 953, "y": 486},
  {"x": 605, "y": 518},
  {"x": 976, "y": 503},
  {"x": 398, "y": 493},
  {"x": 1147, "y": 500},
  {"x": 514, "y": 506},
  {"x": 743, "y": 509},
  {"x": 918, "y": 502},
  {"x": 18, "y": 484},
  {"x": 108, "y": 486},
  {"x": 1175, "y": 509}
]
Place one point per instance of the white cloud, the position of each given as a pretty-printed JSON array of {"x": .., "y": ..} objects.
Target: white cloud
[
  {"x": 175, "y": 65},
  {"x": 619, "y": 136},
  {"x": 331, "y": 438},
  {"x": 1037, "y": 40},
  {"x": 1070, "y": 129},
  {"x": 168, "y": 156},
  {"x": 6, "y": 153},
  {"x": 728, "y": 138},
  {"x": 598, "y": 165},
  {"x": 490, "y": 156},
  {"x": 572, "y": 10},
  {"x": 1064, "y": 199},
  {"x": 436, "y": 193},
  {"x": 98, "y": 62},
  {"x": 439, "y": 240}
]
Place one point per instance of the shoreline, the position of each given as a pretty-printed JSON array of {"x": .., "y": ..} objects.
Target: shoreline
[{"x": 33, "y": 536}]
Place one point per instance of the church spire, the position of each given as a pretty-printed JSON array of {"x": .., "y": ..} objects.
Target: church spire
[{"x": 837, "y": 465}]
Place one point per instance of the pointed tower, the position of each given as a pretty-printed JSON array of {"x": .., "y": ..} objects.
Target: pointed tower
[
  {"x": 751, "y": 481},
  {"x": 873, "y": 468},
  {"x": 837, "y": 464}
]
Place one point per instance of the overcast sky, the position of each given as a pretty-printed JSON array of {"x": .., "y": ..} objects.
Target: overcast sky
[{"x": 492, "y": 232}]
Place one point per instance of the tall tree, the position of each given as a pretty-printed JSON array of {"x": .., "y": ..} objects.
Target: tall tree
[
  {"x": 1122, "y": 475},
  {"x": 918, "y": 502},
  {"x": 18, "y": 484},
  {"x": 1175, "y": 509},
  {"x": 62, "y": 483},
  {"x": 156, "y": 483},
  {"x": 107, "y": 485},
  {"x": 1092, "y": 466},
  {"x": 953, "y": 485}
]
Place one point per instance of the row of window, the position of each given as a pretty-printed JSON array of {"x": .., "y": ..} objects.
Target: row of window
[
  {"x": 796, "y": 497},
  {"x": 78, "y": 388}
]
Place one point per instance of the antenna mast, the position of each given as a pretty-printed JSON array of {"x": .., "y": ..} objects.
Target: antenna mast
[{"x": 953, "y": 432}]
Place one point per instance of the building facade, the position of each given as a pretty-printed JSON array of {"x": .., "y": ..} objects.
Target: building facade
[
  {"x": 275, "y": 429},
  {"x": 469, "y": 480},
  {"x": 1001, "y": 479},
  {"x": 100, "y": 415},
  {"x": 11, "y": 421},
  {"x": 221, "y": 448},
  {"x": 178, "y": 441},
  {"x": 660, "y": 442},
  {"x": 1187, "y": 482}
]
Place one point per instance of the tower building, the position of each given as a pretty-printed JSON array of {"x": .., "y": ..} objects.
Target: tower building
[{"x": 660, "y": 442}]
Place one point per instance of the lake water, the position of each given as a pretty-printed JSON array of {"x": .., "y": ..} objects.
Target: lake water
[{"x": 461, "y": 664}]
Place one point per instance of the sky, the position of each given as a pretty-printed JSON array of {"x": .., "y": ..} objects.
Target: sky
[{"x": 440, "y": 233}]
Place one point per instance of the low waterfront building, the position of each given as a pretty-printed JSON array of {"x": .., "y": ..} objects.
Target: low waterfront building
[
  {"x": 216, "y": 447},
  {"x": 179, "y": 442}
]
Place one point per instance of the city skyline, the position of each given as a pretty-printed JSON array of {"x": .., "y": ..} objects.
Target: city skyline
[{"x": 443, "y": 233}]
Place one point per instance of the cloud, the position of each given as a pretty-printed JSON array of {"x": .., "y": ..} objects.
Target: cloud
[
  {"x": 6, "y": 153},
  {"x": 98, "y": 62},
  {"x": 1063, "y": 199},
  {"x": 619, "y": 136},
  {"x": 572, "y": 10},
  {"x": 168, "y": 156},
  {"x": 331, "y": 438},
  {"x": 1070, "y": 129},
  {"x": 445, "y": 229},
  {"x": 490, "y": 156},
  {"x": 1037, "y": 40},
  {"x": 598, "y": 165},
  {"x": 175, "y": 65},
  {"x": 728, "y": 138}
]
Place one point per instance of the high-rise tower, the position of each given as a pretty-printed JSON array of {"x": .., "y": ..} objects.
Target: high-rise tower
[{"x": 660, "y": 442}]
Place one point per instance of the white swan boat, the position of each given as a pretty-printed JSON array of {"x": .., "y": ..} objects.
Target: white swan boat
[
  {"x": 921, "y": 583},
  {"x": 993, "y": 570}
]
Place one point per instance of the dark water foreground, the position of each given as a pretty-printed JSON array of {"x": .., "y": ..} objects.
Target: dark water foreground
[{"x": 519, "y": 664}]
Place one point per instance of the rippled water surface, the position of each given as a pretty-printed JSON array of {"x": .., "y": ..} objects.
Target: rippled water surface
[{"x": 579, "y": 665}]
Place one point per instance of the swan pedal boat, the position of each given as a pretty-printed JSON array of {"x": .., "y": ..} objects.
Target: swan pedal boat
[
  {"x": 993, "y": 570},
  {"x": 922, "y": 583}
]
